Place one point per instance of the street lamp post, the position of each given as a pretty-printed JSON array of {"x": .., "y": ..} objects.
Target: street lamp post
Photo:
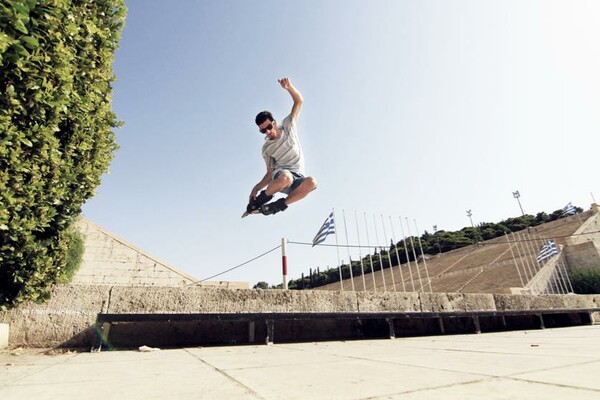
[
  {"x": 469, "y": 214},
  {"x": 516, "y": 195},
  {"x": 437, "y": 240}
]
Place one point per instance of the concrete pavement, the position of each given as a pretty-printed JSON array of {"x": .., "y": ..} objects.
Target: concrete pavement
[{"x": 536, "y": 364}]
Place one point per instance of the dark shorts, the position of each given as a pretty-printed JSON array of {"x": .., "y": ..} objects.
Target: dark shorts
[{"x": 297, "y": 179}]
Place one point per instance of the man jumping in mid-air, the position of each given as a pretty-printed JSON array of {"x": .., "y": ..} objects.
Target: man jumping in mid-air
[{"x": 285, "y": 163}]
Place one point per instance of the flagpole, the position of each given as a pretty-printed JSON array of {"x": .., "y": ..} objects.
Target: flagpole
[
  {"x": 569, "y": 209},
  {"x": 380, "y": 258},
  {"x": 526, "y": 278},
  {"x": 525, "y": 258},
  {"x": 390, "y": 258},
  {"x": 536, "y": 267},
  {"x": 510, "y": 246},
  {"x": 397, "y": 256},
  {"x": 566, "y": 273},
  {"x": 370, "y": 258},
  {"x": 412, "y": 243},
  {"x": 533, "y": 252},
  {"x": 551, "y": 285},
  {"x": 559, "y": 284},
  {"x": 337, "y": 249},
  {"x": 362, "y": 269},
  {"x": 348, "y": 249},
  {"x": 423, "y": 255},
  {"x": 562, "y": 283},
  {"x": 412, "y": 282},
  {"x": 284, "y": 263}
]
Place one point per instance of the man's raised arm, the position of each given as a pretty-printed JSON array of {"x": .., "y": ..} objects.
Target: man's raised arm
[{"x": 296, "y": 96}]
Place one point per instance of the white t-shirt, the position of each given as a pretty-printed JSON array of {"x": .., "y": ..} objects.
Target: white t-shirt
[{"x": 285, "y": 152}]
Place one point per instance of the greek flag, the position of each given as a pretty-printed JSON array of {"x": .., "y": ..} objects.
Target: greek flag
[
  {"x": 548, "y": 250},
  {"x": 569, "y": 209},
  {"x": 327, "y": 229}
]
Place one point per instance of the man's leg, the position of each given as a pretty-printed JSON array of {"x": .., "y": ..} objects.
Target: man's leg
[
  {"x": 308, "y": 185},
  {"x": 283, "y": 180}
]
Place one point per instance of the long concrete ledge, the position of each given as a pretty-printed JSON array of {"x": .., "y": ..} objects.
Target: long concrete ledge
[
  {"x": 190, "y": 329},
  {"x": 68, "y": 319}
]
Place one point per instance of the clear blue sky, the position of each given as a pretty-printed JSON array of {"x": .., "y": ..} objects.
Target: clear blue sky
[{"x": 419, "y": 109}]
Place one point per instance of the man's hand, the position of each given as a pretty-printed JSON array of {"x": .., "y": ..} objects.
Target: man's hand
[
  {"x": 253, "y": 194},
  {"x": 285, "y": 83}
]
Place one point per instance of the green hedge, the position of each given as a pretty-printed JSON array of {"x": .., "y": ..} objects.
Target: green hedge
[
  {"x": 56, "y": 131},
  {"x": 585, "y": 280}
]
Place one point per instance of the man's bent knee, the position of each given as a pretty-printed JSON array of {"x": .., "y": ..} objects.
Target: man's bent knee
[
  {"x": 284, "y": 179},
  {"x": 311, "y": 182}
]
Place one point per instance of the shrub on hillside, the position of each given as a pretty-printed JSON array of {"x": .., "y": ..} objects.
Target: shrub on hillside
[
  {"x": 585, "y": 280},
  {"x": 56, "y": 131}
]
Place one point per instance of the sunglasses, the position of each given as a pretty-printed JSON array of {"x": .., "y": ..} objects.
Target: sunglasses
[{"x": 267, "y": 128}]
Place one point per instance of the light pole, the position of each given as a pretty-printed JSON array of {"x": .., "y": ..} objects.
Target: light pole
[
  {"x": 469, "y": 214},
  {"x": 516, "y": 195},
  {"x": 437, "y": 239}
]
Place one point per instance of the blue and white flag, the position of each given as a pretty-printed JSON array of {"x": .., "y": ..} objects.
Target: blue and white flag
[
  {"x": 548, "y": 250},
  {"x": 327, "y": 229},
  {"x": 569, "y": 209}
]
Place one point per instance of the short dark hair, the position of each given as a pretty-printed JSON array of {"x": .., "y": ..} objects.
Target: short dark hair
[{"x": 263, "y": 116}]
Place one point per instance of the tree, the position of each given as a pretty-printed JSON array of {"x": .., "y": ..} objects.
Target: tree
[
  {"x": 56, "y": 131},
  {"x": 261, "y": 285},
  {"x": 541, "y": 218}
]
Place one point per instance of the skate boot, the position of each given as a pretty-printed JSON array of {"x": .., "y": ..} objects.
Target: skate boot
[
  {"x": 274, "y": 207},
  {"x": 254, "y": 205}
]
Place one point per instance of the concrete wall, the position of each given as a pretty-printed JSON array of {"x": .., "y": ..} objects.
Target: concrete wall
[
  {"x": 582, "y": 255},
  {"x": 109, "y": 260},
  {"x": 584, "y": 245},
  {"x": 68, "y": 318},
  {"x": 112, "y": 261}
]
